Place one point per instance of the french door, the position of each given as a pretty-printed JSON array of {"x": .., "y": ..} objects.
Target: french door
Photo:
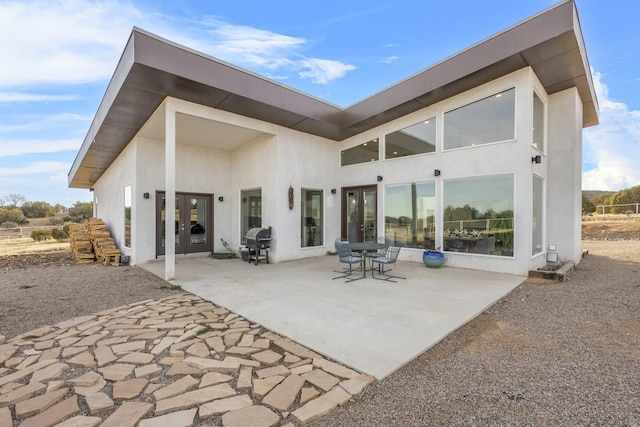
[
  {"x": 360, "y": 213},
  {"x": 193, "y": 220}
]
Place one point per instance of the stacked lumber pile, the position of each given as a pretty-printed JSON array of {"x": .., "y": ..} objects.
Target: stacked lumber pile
[
  {"x": 81, "y": 246},
  {"x": 92, "y": 241},
  {"x": 104, "y": 247}
]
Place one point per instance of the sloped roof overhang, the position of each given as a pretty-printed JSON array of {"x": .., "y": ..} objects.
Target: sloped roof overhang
[{"x": 152, "y": 69}]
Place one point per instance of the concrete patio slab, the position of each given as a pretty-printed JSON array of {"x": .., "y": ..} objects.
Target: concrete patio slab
[{"x": 373, "y": 326}]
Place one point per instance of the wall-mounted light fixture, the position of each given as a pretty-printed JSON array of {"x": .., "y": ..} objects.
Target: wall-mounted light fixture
[
  {"x": 379, "y": 178},
  {"x": 145, "y": 195},
  {"x": 220, "y": 199},
  {"x": 536, "y": 159},
  {"x": 436, "y": 172},
  {"x": 333, "y": 191}
]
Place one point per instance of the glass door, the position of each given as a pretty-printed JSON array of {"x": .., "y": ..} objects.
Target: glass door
[
  {"x": 196, "y": 236},
  {"x": 193, "y": 218},
  {"x": 360, "y": 213}
]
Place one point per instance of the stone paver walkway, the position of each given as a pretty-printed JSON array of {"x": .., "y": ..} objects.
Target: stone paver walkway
[{"x": 179, "y": 361}]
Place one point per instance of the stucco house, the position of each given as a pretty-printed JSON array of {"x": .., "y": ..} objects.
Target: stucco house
[{"x": 478, "y": 155}]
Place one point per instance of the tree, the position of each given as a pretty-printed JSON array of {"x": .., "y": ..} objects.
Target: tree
[
  {"x": 587, "y": 205},
  {"x": 11, "y": 215},
  {"x": 38, "y": 209},
  {"x": 623, "y": 197},
  {"x": 600, "y": 200},
  {"x": 81, "y": 211},
  {"x": 15, "y": 200}
]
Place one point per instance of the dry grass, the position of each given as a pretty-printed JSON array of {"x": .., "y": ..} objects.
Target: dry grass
[{"x": 26, "y": 245}]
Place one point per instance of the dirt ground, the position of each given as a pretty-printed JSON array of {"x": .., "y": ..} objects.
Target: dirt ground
[
  {"x": 41, "y": 284},
  {"x": 611, "y": 227},
  {"x": 27, "y": 287},
  {"x": 546, "y": 354}
]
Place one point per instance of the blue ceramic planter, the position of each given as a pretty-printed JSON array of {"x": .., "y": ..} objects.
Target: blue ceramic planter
[{"x": 433, "y": 259}]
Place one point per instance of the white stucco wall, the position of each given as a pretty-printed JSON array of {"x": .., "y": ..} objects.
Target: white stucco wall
[
  {"x": 509, "y": 157},
  {"x": 282, "y": 157},
  {"x": 305, "y": 161},
  {"x": 109, "y": 193},
  {"x": 565, "y": 174},
  {"x": 198, "y": 170}
]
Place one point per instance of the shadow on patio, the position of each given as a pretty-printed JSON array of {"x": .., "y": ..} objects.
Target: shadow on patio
[{"x": 373, "y": 326}]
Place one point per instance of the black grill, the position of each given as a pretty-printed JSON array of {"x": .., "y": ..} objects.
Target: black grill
[{"x": 258, "y": 240}]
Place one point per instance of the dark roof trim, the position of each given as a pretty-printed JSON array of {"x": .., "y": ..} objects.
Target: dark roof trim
[{"x": 152, "y": 68}]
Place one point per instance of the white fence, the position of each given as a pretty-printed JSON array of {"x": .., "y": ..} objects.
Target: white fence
[
  {"x": 17, "y": 232},
  {"x": 619, "y": 209}
]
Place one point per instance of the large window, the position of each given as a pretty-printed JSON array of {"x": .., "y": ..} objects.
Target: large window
[
  {"x": 127, "y": 216},
  {"x": 409, "y": 211},
  {"x": 311, "y": 218},
  {"x": 250, "y": 211},
  {"x": 478, "y": 215},
  {"x": 538, "y": 122},
  {"x": 363, "y": 153},
  {"x": 491, "y": 119},
  {"x": 417, "y": 139},
  {"x": 537, "y": 225}
]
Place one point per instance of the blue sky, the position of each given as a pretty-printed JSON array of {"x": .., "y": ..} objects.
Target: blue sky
[{"x": 58, "y": 56}]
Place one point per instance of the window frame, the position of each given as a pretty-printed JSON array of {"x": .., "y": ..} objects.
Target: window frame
[
  {"x": 510, "y": 254},
  {"x": 318, "y": 225},
  {"x": 355, "y": 147},
  {"x": 425, "y": 121},
  {"x": 128, "y": 206},
  {"x": 490, "y": 95},
  {"x": 424, "y": 245},
  {"x": 542, "y": 216},
  {"x": 545, "y": 109},
  {"x": 242, "y": 211}
]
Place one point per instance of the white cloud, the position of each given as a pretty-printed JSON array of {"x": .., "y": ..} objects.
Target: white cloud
[
  {"x": 265, "y": 52},
  {"x": 390, "y": 59},
  {"x": 45, "y": 167},
  {"x": 37, "y": 146},
  {"x": 80, "y": 41},
  {"x": 46, "y": 122},
  {"x": 323, "y": 70},
  {"x": 72, "y": 41},
  {"x": 34, "y": 97},
  {"x": 613, "y": 147}
]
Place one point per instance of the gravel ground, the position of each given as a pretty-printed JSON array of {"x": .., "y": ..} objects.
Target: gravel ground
[
  {"x": 547, "y": 354},
  {"x": 46, "y": 288}
]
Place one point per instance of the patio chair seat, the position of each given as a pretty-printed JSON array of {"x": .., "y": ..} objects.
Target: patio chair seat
[
  {"x": 346, "y": 257},
  {"x": 390, "y": 257}
]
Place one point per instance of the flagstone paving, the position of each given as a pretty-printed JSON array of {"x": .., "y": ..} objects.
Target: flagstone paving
[{"x": 179, "y": 361}]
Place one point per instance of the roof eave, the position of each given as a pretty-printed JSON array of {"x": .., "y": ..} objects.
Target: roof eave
[{"x": 152, "y": 68}]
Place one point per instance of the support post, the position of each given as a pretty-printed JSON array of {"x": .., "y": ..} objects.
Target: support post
[{"x": 170, "y": 191}]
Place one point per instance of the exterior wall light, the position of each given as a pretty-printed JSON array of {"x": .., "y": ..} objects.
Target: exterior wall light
[
  {"x": 145, "y": 195},
  {"x": 379, "y": 178},
  {"x": 436, "y": 172},
  {"x": 333, "y": 191},
  {"x": 220, "y": 199},
  {"x": 536, "y": 159}
]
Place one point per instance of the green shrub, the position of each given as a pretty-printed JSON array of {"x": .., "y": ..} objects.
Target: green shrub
[
  {"x": 65, "y": 228},
  {"x": 59, "y": 234},
  {"x": 41, "y": 235},
  {"x": 56, "y": 221}
]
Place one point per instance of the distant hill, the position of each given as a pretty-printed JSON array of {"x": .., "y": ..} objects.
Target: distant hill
[{"x": 590, "y": 194}]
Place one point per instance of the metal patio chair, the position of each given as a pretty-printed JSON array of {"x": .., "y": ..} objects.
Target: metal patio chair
[
  {"x": 390, "y": 257},
  {"x": 346, "y": 257},
  {"x": 380, "y": 252}
]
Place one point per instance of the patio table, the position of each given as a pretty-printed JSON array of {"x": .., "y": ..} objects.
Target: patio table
[{"x": 365, "y": 247}]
